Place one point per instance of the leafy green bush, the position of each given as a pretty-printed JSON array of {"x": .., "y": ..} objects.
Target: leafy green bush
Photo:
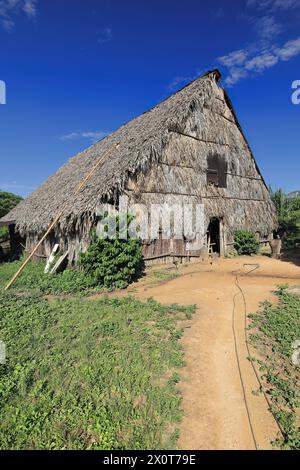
[
  {"x": 245, "y": 243},
  {"x": 288, "y": 211},
  {"x": 113, "y": 263},
  {"x": 7, "y": 202}
]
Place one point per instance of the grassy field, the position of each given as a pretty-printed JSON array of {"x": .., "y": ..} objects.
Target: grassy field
[
  {"x": 70, "y": 281},
  {"x": 88, "y": 374},
  {"x": 33, "y": 279},
  {"x": 274, "y": 329}
]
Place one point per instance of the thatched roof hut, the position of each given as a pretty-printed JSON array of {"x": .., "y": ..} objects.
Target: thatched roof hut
[{"x": 163, "y": 152}]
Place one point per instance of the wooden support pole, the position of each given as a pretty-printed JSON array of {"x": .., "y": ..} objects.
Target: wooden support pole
[{"x": 55, "y": 221}]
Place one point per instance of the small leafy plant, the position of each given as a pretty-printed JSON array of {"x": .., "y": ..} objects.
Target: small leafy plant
[
  {"x": 113, "y": 263},
  {"x": 245, "y": 243}
]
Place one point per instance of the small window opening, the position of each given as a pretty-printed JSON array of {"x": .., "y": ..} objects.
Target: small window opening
[
  {"x": 216, "y": 173},
  {"x": 213, "y": 177}
]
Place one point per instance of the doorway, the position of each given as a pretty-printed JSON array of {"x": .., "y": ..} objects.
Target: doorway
[{"x": 213, "y": 236}]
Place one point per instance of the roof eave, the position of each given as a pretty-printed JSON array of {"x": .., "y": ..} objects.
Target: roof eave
[{"x": 3, "y": 223}]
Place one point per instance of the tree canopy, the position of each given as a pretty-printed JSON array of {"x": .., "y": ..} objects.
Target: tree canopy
[
  {"x": 288, "y": 210},
  {"x": 7, "y": 202}
]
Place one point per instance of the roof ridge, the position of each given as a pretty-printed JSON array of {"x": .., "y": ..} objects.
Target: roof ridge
[{"x": 200, "y": 77}]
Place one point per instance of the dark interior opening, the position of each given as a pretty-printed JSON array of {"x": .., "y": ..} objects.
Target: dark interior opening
[
  {"x": 216, "y": 170},
  {"x": 213, "y": 235},
  {"x": 11, "y": 247}
]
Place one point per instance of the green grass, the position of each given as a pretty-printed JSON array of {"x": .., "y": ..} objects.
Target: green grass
[
  {"x": 70, "y": 281},
  {"x": 277, "y": 327},
  {"x": 33, "y": 279},
  {"x": 161, "y": 276},
  {"x": 89, "y": 374}
]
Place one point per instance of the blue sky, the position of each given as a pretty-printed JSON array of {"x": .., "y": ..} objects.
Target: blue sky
[{"x": 76, "y": 70}]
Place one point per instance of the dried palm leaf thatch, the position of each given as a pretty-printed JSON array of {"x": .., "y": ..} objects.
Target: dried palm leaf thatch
[
  {"x": 141, "y": 141},
  {"x": 163, "y": 153}
]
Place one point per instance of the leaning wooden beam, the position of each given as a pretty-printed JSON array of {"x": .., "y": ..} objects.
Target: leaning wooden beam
[
  {"x": 59, "y": 263},
  {"x": 259, "y": 241},
  {"x": 55, "y": 221},
  {"x": 51, "y": 258},
  {"x": 175, "y": 255}
]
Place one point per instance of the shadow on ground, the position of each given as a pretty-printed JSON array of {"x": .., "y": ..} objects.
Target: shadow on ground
[{"x": 291, "y": 256}]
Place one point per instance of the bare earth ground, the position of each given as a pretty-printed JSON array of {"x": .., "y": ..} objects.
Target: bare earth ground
[{"x": 215, "y": 413}]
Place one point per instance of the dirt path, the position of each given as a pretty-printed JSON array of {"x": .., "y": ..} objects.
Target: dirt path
[{"x": 214, "y": 403}]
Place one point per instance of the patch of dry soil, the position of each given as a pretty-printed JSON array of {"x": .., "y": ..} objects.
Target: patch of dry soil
[{"x": 214, "y": 404}]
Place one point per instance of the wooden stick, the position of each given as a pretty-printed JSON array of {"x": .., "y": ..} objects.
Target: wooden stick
[
  {"x": 52, "y": 225},
  {"x": 175, "y": 255},
  {"x": 33, "y": 251}
]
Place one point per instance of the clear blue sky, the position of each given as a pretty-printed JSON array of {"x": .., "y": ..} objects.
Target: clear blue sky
[{"x": 75, "y": 70}]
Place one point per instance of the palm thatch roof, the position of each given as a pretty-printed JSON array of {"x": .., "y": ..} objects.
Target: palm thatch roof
[{"x": 140, "y": 141}]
